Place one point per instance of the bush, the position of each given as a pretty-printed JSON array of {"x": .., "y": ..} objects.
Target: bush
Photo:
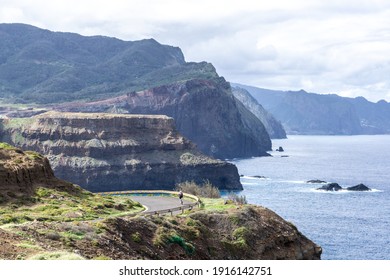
[
  {"x": 206, "y": 190},
  {"x": 237, "y": 199},
  {"x": 136, "y": 237}
]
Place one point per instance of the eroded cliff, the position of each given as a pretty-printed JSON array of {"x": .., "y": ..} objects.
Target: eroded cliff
[
  {"x": 205, "y": 111},
  {"x": 106, "y": 152},
  {"x": 23, "y": 171}
]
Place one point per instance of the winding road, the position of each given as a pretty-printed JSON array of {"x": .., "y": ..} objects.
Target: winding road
[{"x": 157, "y": 203}]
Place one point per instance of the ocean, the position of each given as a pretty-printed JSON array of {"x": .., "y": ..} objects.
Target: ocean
[{"x": 347, "y": 225}]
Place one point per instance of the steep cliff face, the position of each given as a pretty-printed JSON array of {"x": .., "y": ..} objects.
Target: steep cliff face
[
  {"x": 22, "y": 171},
  {"x": 273, "y": 126},
  {"x": 105, "y": 152},
  {"x": 205, "y": 112}
]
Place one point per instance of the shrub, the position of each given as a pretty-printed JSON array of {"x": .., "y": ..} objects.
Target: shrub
[
  {"x": 237, "y": 199},
  {"x": 6, "y": 146},
  {"x": 136, "y": 237},
  {"x": 206, "y": 190}
]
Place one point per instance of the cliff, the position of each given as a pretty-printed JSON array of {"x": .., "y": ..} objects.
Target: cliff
[
  {"x": 205, "y": 111},
  {"x": 21, "y": 172},
  {"x": 273, "y": 126},
  {"x": 107, "y": 152}
]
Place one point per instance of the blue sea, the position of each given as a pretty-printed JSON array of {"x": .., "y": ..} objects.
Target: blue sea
[{"x": 347, "y": 225}]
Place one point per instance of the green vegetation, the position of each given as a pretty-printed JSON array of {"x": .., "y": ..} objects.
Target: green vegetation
[
  {"x": 6, "y": 146},
  {"x": 206, "y": 190},
  {"x": 28, "y": 245},
  {"x": 68, "y": 76},
  {"x": 217, "y": 204},
  {"x": 164, "y": 237},
  {"x": 56, "y": 256},
  {"x": 33, "y": 155},
  {"x": 17, "y": 122},
  {"x": 236, "y": 242},
  {"x": 237, "y": 199},
  {"x": 54, "y": 205},
  {"x": 136, "y": 237}
]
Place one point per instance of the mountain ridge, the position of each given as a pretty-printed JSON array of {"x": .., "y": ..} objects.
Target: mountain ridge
[
  {"x": 309, "y": 113},
  {"x": 41, "y": 66}
]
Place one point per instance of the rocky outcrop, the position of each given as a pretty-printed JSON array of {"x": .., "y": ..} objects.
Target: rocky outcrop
[
  {"x": 205, "y": 112},
  {"x": 273, "y": 126},
  {"x": 22, "y": 171},
  {"x": 316, "y": 181},
  {"x": 107, "y": 152},
  {"x": 337, "y": 187},
  {"x": 252, "y": 232},
  {"x": 360, "y": 187},
  {"x": 330, "y": 187}
]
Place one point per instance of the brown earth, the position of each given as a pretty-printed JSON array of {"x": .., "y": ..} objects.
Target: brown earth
[
  {"x": 30, "y": 227},
  {"x": 248, "y": 232}
]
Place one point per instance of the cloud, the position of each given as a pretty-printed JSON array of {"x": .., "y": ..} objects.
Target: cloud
[{"x": 337, "y": 46}]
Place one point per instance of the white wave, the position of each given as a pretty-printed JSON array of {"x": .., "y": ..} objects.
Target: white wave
[
  {"x": 293, "y": 181},
  {"x": 344, "y": 191},
  {"x": 249, "y": 184},
  {"x": 253, "y": 178}
]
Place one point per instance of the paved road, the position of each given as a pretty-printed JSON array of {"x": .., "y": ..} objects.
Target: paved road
[{"x": 156, "y": 203}]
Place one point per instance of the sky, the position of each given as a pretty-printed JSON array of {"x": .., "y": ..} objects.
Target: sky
[{"x": 332, "y": 46}]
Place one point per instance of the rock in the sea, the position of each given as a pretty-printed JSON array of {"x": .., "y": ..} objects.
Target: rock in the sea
[
  {"x": 316, "y": 181},
  {"x": 280, "y": 149},
  {"x": 360, "y": 188},
  {"x": 330, "y": 187}
]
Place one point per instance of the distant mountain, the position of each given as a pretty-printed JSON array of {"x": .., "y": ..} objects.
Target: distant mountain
[
  {"x": 273, "y": 126},
  {"x": 309, "y": 113},
  {"x": 42, "y": 66}
]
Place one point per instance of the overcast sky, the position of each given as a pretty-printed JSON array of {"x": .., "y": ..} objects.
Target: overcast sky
[{"x": 332, "y": 46}]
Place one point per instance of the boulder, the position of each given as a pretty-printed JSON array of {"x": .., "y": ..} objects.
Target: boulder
[
  {"x": 316, "y": 181},
  {"x": 360, "y": 188},
  {"x": 330, "y": 187}
]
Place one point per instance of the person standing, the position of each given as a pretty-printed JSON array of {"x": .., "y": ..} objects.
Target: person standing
[{"x": 181, "y": 197}]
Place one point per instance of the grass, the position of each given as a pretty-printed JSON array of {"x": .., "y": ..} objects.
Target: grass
[
  {"x": 17, "y": 122},
  {"x": 33, "y": 155},
  {"x": 6, "y": 146},
  {"x": 29, "y": 245},
  {"x": 212, "y": 204},
  {"x": 53, "y": 205},
  {"x": 164, "y": 237},
  {"x": 60, "y": 255}
]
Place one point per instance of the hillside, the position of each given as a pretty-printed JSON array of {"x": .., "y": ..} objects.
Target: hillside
[
  {"x": 41, "y": 66},
  {"x": 309, "y": 113},
  {"x": 42, "y": 217}
]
